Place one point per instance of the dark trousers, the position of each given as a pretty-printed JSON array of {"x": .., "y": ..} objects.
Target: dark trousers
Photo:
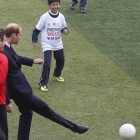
[
  {"x": 59, "y": 58},
  {"x": 34, "y": 103},
  {"x": 3, "y": 123},
  {"x": 83, "y": 3}
]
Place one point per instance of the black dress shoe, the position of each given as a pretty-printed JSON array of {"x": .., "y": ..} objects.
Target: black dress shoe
[{"x": 80, "y": 129}]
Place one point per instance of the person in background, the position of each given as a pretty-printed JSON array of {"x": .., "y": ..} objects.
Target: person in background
[
  {"x": 51, "y": 25},
  {"x": 3, "y": 99},
  {"x": 82, "y": 5},
  {"x": 21, "y": 92}
]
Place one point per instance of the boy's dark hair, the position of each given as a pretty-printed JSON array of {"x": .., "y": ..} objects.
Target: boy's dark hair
[
  {"x": 1, "y": 34},
  {"x": 51, "y": 1}
]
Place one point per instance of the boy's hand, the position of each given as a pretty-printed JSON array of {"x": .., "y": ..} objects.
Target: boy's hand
[
  {"x": 34, "y": 44},
  {"x": 65, "y": 32}
]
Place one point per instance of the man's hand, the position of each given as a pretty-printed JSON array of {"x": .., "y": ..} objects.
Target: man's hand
[
  {"x": 9, "y": 108},
  {"x": 38, "y": 61}
]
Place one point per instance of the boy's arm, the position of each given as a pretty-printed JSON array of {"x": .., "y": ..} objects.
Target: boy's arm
[
  {"x": 65, "y": 30},
  {"x": 38, "y": 28},
  {"x": 35, "y": 34}
]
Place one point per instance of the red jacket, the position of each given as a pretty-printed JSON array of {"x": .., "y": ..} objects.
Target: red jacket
[{"x": 3, "y": 75}]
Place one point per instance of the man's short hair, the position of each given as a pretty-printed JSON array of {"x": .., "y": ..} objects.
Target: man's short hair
[{"x": 12, "y": 28}]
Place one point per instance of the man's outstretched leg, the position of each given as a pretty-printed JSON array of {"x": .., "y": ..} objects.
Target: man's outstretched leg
[{"x": 44, "y": 110}]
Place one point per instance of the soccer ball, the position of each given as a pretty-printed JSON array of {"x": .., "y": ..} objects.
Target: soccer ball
[{"x": 127, "y": 131}]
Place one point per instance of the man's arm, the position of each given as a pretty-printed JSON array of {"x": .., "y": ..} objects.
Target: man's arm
[
  {"x": 38, "y": 61},
  {"x": 29, "y": 61},
  {"x": 7, "y": 97},
  {"x": 9, "y": 107},
  {"x": 25, "y": 60}
]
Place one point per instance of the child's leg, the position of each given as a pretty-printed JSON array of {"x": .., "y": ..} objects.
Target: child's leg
[
  {"x": 59, "y": 57},
  {"x": 44, "y": 77},
  {"x": 83, "y": 4},
  {"x": 74, "y": 2}
]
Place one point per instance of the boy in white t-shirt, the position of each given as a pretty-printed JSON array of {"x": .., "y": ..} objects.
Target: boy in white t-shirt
[{"x": 51, "y": 25}]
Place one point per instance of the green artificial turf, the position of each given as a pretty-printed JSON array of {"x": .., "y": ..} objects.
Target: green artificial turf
[{"x": 101, "y": 72}]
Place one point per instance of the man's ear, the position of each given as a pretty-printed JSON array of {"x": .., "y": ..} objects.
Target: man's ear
[
  {"x": 14, "y": 35},
  {"x": 4, "y": 38}
]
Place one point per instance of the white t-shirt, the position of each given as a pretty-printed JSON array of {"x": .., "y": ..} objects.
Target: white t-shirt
[{"x": 50, "y": 28}]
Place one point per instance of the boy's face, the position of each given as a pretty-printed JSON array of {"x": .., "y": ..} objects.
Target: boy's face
[
  {"x": 2, "y": 43},
  {"x": 54, "y": 7}
]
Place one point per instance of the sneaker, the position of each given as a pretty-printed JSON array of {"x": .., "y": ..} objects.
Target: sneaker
[
  {"x": 83, "y": 11},
  {"x": 43, "y": 88},
  {"x": 73, "y": 5},
  {"x": 59, "y": 79}
]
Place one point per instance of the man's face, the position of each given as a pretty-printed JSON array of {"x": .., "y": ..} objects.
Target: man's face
[
  {"x": 16, "y": 37},
  {"x": 2, "y": 43},
  {"x": 54, "y": 7}
]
